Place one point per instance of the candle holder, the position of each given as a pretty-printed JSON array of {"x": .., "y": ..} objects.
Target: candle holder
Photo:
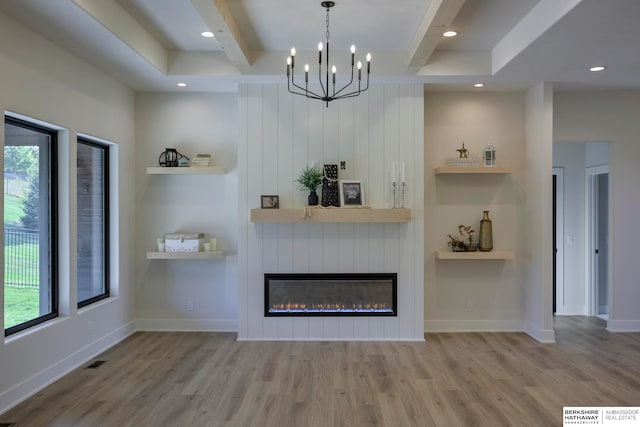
[
  {"x": 402, "y": 190},
  {"x": 394, "y": 187}
]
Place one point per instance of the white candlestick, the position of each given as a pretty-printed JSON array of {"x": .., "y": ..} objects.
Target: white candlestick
[
  {"x": 402, "y": 172},
  {"x": 393, "y": 172}
]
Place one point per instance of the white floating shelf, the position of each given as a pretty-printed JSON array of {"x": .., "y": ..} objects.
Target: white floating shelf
[
  {"x": 345, "y": 215},
  {"x": 192, "y": 170},
  {"x": 186, "y": 255},
  {"x": 495, "y": 170},
  {"x": 475, "y": 255}
]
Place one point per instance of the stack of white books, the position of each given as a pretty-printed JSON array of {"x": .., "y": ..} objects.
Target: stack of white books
[{"x": 201, "y": 160}]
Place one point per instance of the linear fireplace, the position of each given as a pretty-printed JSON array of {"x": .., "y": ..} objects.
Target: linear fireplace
[{"x": 365, "y": 294}]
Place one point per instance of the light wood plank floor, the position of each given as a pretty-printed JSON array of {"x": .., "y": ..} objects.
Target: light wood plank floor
[{"x": 479, "y": 379}]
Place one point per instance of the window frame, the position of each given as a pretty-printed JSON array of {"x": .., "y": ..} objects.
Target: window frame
[
  {"x": 53, "y": 223},
  {"x": 107, "y": 219}
]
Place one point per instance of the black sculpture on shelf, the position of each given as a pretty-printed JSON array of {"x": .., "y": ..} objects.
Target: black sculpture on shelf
[
  {"x": 170, "y": 157},
  {"x": 330, "y": 195}
]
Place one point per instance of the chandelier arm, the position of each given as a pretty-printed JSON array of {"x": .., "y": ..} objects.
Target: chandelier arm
[
  {"x": 345, "y": 86},
  {"x": 307, "y": 95},
  {"x": 324, "y": 91},
  {"x": 355, "y": 93},
  {"x": 305, "y": 91}
]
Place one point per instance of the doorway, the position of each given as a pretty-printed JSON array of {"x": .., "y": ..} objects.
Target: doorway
[
  {"x": 598, "y": 240},
  {"x": 558, "y": 240}
]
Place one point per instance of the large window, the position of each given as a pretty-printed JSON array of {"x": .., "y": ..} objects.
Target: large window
[
  {"x": 30, "y": 225},
  {"x": 93, "y": 222}
]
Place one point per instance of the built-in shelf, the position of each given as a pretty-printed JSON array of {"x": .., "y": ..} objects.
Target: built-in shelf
[
  {"x": 475, "y": 255},
  {"x": 186, "y": 255},
  {"x": 495, "y": 170},
  {"x": 192, "y": 170},
  {"x": 312, "y": 214}
]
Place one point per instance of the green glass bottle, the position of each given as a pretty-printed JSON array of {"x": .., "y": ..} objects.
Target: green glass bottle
[{"x": 485, "y": 240}]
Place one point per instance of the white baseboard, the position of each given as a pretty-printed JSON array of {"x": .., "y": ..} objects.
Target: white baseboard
[
  {"x": 42, "y": 379},
  {"x": 541, "y": 335},
  {"x": 188, "y": 325},
  {"x": 623, "y": 325},
  {"x": 473, "y": 326}
]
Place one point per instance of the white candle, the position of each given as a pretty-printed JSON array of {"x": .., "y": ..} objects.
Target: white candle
[
  {"x": 393, "y": 172},
  {"x": 402, "y": 172}
]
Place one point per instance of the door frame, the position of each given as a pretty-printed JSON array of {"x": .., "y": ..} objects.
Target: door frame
[
  {"x": 591, "y": 291},
  {"x": 559, "y": 245}
]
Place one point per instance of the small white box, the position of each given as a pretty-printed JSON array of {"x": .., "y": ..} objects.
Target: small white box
[{"x": 184, "y": 242}]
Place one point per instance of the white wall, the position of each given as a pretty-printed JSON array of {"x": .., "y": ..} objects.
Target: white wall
[
  {"x": 538, "y": 190},
  {"x": 474, "y": 295},
  {"x": 281, "y": 133},
  {"x": 613, "y": 117},
  {"x": 571, "y": 157},
  {"x": 192, "y": 123},
  {"x": 597, "y": 154},
  {"x": 42, "y": 81}
]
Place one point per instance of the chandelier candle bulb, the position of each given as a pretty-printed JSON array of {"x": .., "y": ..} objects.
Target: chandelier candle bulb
[
  {"x": 306, "y": 73},
  {"x": 368, "y": 63},
  {"x": 359, "y": 71},
  {"x": 293, "y": 57}
]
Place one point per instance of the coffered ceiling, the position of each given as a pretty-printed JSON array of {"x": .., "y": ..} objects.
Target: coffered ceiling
[{"x": 151, "y": 45}]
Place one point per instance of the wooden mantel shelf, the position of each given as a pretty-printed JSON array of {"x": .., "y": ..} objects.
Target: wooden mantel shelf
[
  {"x": 474, "y": 255},
  {"x": 495, "y": 170},
  {"x": 350, "y": 215}
]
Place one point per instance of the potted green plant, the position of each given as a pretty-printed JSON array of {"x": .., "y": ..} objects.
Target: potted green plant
[{"x": 310, "y": 179}]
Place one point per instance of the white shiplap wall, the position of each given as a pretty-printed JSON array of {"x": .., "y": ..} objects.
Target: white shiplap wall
[{"x": 279, "y": 134}]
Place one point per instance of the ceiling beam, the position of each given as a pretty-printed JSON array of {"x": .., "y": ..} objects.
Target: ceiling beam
[
  {"x": 115, "y": 19},
  {"x": 218, "y": 17},
  {"x": 439, "y": 16},
  {"x": 538, "y": 21}
]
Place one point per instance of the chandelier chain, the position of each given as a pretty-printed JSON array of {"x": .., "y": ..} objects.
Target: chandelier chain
[{"x": 327, "y": 25}]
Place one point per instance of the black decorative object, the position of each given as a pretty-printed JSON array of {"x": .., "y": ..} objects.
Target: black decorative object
[
  {"x": 169, "y": 158},
  {"x": 313, "y": 198},
  {"x": 330, "y": 194}
]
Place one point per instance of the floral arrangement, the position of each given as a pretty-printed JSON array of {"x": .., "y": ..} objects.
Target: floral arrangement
[{"x": 465, "y": 242}]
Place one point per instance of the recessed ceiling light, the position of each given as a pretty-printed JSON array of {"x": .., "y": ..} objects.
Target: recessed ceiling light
[
  {"x": 598, "y": 68},
  {"x": 207, "y": 34},
  {"x": 182, "y": 84},
  {"x": 478, "y": 85},
  {"x": 450, "y": 33}
]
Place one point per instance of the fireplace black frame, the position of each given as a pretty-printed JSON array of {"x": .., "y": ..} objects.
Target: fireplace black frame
[{"x": 331, "y": 276}]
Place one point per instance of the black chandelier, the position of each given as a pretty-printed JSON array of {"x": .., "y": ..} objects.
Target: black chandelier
[{"x": 327, "y": 93}]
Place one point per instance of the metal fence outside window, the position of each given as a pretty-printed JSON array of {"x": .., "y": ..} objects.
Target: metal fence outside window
[{"x": 21, "y": 258}]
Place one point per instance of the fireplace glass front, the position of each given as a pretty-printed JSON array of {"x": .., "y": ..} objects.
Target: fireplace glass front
[{"x": 366, "y": 294}]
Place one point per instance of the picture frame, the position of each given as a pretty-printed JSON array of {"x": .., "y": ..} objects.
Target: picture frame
[
  {"x": 269, "y": 201},
  {"x": 351, "y": 193}
]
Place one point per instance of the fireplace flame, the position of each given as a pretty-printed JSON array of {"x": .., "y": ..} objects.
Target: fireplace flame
[{"x": 330, "y": 307}]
